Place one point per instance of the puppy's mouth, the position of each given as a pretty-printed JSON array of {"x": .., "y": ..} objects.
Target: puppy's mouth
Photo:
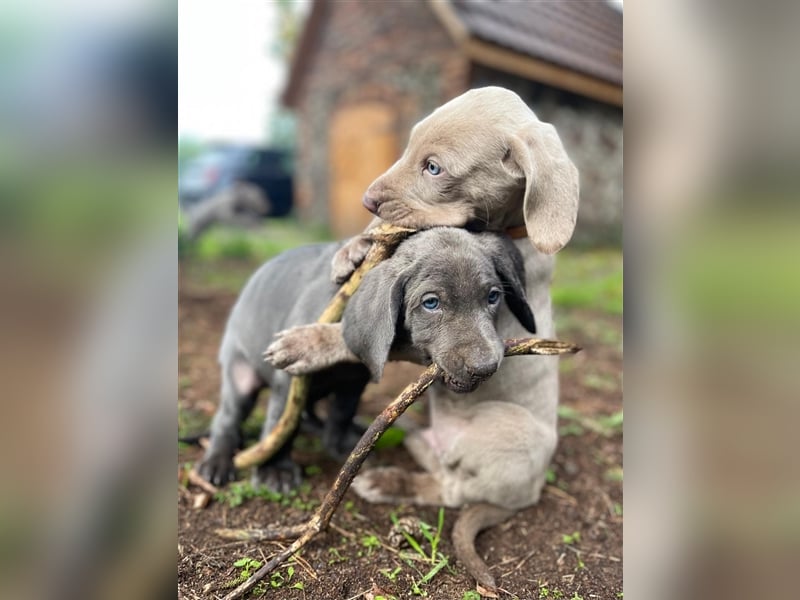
[{"x": 462, "y": 386}]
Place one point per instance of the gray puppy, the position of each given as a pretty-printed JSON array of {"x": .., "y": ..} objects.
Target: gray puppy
[{"x": 436, "y": 300}]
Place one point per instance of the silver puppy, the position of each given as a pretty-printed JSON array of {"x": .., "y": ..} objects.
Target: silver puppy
[
  {"x": 414, "y": 305},
  {"x": 482, "y": 161}
]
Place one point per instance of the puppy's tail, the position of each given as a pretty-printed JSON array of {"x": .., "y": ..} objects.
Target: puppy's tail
[{"x": 469, "y": 524}]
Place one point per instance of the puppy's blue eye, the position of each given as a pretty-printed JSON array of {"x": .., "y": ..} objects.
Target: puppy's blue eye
[
  {"x": 494, "y": 297},
  {"x": 430, "y": 303},
  {"x": 432, "y": 168}
]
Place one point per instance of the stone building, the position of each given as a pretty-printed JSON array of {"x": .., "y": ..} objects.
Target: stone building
[{"x": 365, "y": 71}]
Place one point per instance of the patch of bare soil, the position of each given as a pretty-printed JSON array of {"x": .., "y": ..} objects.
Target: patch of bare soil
[{"x": 568, "y": 546}]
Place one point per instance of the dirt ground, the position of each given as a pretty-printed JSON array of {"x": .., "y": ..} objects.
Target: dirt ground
[{"x": 568, "y": 546}]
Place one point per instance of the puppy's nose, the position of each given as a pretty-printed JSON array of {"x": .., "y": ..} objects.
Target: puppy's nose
[
  {"x": 484, "y": 369},
  {"x": 370, "y": 203}
]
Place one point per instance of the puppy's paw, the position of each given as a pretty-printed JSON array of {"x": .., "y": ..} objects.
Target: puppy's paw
[
  {"x": 297, "y": 350},
  {"x": 217, "y": 468},
  {"x": 347, "y": 259},
  {"x": 280, "y": 478},
  {"x": 385, "y": 485}
]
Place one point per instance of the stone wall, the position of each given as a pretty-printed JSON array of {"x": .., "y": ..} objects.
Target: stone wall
[{"x": 394, "y": 53}]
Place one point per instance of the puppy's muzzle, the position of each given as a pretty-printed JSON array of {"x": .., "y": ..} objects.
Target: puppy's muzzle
[{"x": 472, "y": 377}]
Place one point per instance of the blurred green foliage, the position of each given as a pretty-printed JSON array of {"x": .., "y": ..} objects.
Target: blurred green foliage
[
  {"x": 252, "y": 245},
  {"x": 739, "y": 272},
  {"x": 590, "y": 279}
]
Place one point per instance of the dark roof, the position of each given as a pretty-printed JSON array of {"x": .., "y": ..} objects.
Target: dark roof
[
  {"x": 584, "y": 36},
  {"x": 580, "y": 36}
]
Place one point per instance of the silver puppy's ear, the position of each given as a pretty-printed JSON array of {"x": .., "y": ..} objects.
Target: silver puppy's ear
[
  {"x": 551, "y": 185},
  {"x": 370, "y": 319},
  {"x": 510, "y": 266}
]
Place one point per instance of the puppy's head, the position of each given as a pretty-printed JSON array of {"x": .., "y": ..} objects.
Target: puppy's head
[
  {"x": 440, "y": 293},
  {"x": 482, "y": 161}
]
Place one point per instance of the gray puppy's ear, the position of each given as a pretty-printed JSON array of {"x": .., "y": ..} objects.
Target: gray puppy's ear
[
  {"x": 551, "y": 184},
  {"x": 370, "y": 319},
  {"x": 510, "y": 266}
]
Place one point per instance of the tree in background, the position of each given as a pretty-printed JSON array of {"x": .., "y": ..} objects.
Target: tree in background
[{"x": 281, "y": 129}]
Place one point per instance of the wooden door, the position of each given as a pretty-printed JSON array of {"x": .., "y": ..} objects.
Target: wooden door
[{"x": 363, "y": 144}]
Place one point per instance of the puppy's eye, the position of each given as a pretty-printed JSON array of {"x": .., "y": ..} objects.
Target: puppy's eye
[
  {"x": 432, "y": 168},
  {"x": 494, "y": 296},
  {"x": 430, "y": 302}
]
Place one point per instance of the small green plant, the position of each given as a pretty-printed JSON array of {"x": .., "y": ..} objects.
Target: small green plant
[
  {"x": 436, "y": 559},
  {"x": 336, "y": 556},
  {"x": 391, "y": 575},
  {"x": 312, "y": 470},
  {"x": 571, "y": 538},
  {"x": 278, "y": 580},
  {"x": 618, "y": 509},
  {"x": 545, "y": 591},
  {"x": 550, "y": 475},
  {"x": 576, "y": 597},
  {"x": 246, "y": 567},
  {"x": 471, "y": 595},
  {"x": 370, "y": 542},
  {"x": 259, "y": 590}
]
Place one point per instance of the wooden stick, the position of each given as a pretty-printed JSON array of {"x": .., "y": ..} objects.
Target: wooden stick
[
  {"x": 385, "y": 239},
  {"x": 323, "y": 515}
]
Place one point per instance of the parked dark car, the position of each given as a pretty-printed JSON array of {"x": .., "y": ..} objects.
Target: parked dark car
[{"x": 221, "y": 167}]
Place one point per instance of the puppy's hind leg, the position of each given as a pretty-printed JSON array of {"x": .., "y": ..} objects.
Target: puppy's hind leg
[
  {"x": 341, "y": 434},
  {"x": 393, "y": 485},
  {"x": 239, "y": 392},
  {"x": 280, "y": 473}
]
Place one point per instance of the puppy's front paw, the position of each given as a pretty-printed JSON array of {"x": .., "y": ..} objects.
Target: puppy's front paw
[
  {"x": 384, "y": 485},
  {"x": 281, "y": 478},
  {"x": 347, "y": 259},
  {"x": 217, "y": 468},
  {"x": 297, "y": 350}
]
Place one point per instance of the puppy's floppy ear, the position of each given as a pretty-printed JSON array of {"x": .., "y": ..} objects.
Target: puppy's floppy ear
[
  {"x": 551, "y": 184},
  {"x": 509, "y": 265},
  {"x": 370, "y": 319}
]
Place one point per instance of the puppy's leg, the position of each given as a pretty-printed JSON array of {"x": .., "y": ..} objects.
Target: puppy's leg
[
  {"x": 419, "y": 446},
  {"x": 341, "y": 434},
  {"x": 240, "y": 388},
  {"x": 393, "y": 485},
  {"x": 309, "y": 348},
  {"x": 280, "y": 473},
  {"x": 351, "y": 255}
]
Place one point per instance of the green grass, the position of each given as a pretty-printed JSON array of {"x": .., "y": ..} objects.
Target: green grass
[
  {"x": 590, "y": 279},
  {"x": 225, "y": 257},
  {"x": 259, "y": 243}
]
